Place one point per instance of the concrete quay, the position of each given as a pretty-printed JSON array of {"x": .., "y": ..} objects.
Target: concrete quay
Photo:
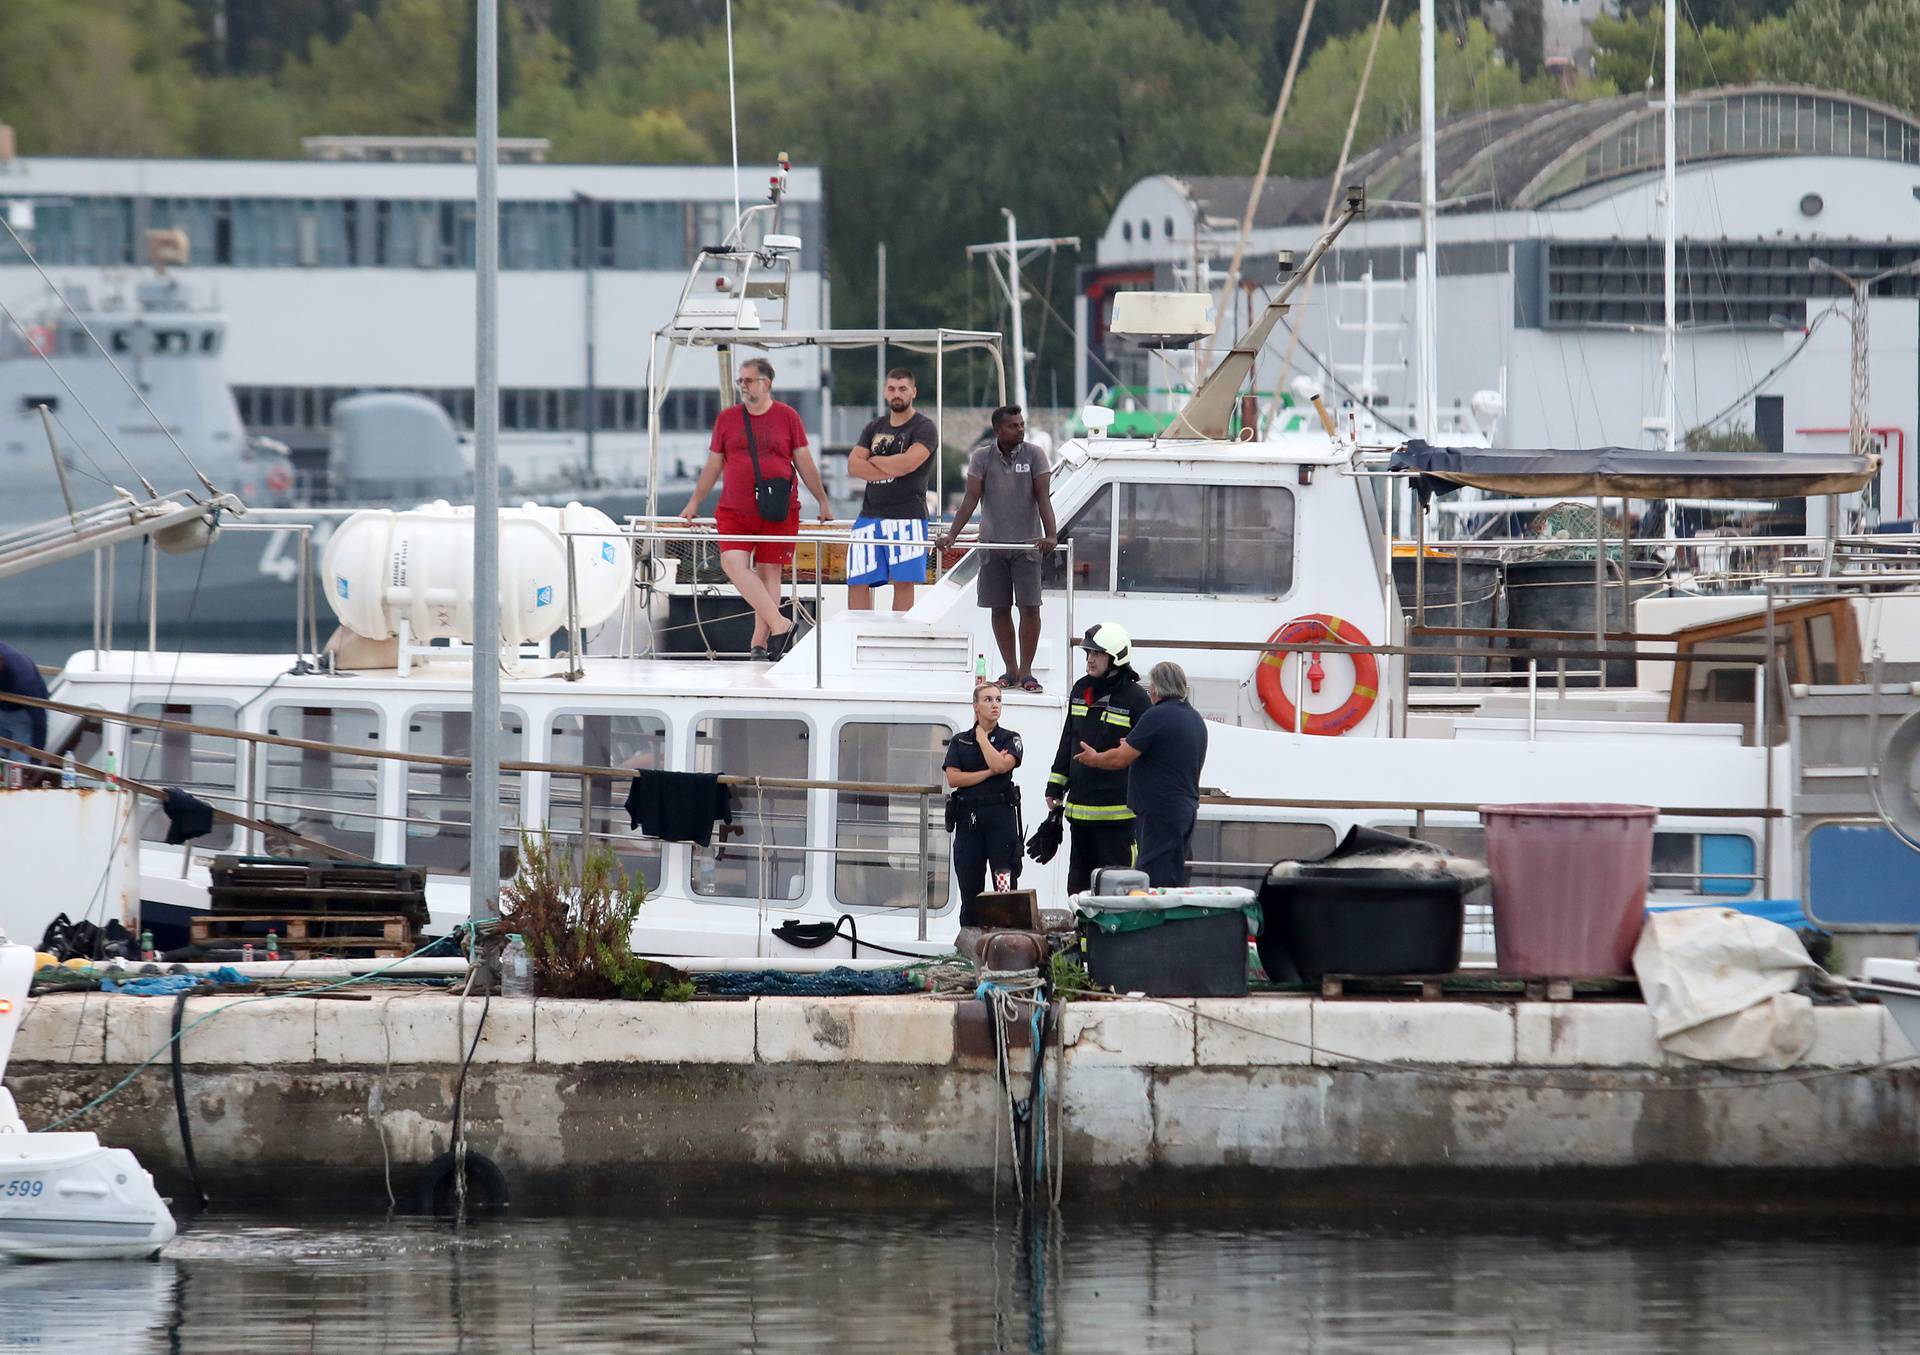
[{"x": 589, "y": 1100}]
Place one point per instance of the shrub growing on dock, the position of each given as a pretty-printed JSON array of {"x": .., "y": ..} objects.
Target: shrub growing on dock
[{"x": 574, "y": 909}]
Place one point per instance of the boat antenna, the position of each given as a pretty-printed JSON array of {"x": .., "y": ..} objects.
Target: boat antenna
[{"x": 733, "y": 118}]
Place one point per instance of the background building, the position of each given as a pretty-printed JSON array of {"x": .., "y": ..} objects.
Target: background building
[
  {"x": 1550, "y": 270},
  {"x": 352, "y": 271}
]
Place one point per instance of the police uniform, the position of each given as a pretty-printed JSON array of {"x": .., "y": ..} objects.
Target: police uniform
[
  {"x": 1100, "y": 713},
  {"x": 985, "y": 818}
]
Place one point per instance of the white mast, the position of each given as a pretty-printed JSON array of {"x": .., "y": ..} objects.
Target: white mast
[
  {"x": 1426, "y": 364},
  {"x": 1013, "y": 301},
  {"x": 484, "y": 804},
  {"x": 1668, "y": 439}
]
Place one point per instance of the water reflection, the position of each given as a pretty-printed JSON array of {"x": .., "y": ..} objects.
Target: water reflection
[{"x": 935, "y": 1283}]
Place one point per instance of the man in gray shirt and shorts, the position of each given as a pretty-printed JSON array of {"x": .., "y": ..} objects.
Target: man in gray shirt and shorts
[{"x": 1010, "y": 479}]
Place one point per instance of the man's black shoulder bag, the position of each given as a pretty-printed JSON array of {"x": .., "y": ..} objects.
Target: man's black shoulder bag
[{"x": 772, "y": 497}]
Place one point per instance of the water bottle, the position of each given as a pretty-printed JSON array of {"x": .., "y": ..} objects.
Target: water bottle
[
  {"x": 273, "y": 945},
  {"x": 146, "y": 946},
  {"x": 516, "y": 968},
  {"x": 980, "y": 666},
  {"x": 113, "y": 768},
  {"x": 69, "y": 774},
  {"x": 246, "y": 953}
]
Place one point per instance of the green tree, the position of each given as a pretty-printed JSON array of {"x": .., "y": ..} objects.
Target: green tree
[
  {"x": 1525, "y": 39},
  {"x": 1631, "y": 52},
  {"x": 577, "y": 24},
  {"x": 92, "y": 77},
  {"x": 398, "y": 73},
  {"x": 1865, "y": 47}
]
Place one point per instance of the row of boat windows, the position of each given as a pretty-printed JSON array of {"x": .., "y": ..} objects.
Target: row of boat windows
[
  {"x": 243, "y": 232},
  {"x": 523, "y": 409},
  {"x": 872, "y": 846},
  {"x": 1181, "y": 538}
]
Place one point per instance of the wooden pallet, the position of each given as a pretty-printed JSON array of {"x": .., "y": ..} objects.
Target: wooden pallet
[
  {"x": 1475, "y": 985},
  {"x": 309, "y": 934},
  {"x": 263, "y": 885}
]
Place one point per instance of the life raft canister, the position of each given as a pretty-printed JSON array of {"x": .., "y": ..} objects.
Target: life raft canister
[{"x": 1305, "y": 630}]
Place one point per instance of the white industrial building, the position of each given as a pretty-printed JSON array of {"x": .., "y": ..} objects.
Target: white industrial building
[
  {"x": 1550, "y": 272},
  {"x": 353, "y": 271}
]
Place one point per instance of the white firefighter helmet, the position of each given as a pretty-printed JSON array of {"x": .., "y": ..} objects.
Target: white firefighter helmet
[{"x": 1112, "y": 640}]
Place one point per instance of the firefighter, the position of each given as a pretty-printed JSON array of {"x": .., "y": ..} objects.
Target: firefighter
[{"x": 1101, "y": 709}]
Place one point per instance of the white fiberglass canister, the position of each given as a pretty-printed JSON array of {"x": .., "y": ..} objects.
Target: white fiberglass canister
[
  {"x": 602, "y": 564},
  {"x": 383, "y": 567}
]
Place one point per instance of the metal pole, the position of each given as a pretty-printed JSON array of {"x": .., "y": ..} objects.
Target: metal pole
[
  {"x": 1013, "y": 302},
  {"x": 1600, "y": 578},
  {"x": 588, "y": 244},
  {"x": 1429, "y": 257},
  {"x": 1533, "y": 699},
  {"x": 153, "y": 597},
  {"x": 818, "y": 659},
  {"x": 98, "y": 589},
  {"x": 112, "y": 578},
  {"x": 940, "y": 422},
  {"x": 1668, "y": 441},
  {"x": 484, "y": 803},
  {"x": 575, "y": 669},
  {"x": 1299, "y": 693},
  {"x": 1066, "y": 656},
  {"x": 926, "y": 861},
  {"x": 880, "y": 322}
]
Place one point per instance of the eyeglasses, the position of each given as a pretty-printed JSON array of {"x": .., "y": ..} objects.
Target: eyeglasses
[{"x": 747, "y": 381}]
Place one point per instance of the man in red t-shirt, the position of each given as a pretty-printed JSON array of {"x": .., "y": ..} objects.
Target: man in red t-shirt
[{"x": 780, "y": 440}]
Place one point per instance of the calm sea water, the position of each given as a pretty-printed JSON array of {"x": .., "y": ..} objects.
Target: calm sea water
[{"x": 935, "y": 1283}]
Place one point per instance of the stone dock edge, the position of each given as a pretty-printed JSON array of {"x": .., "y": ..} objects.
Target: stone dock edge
[{"x": 590, "y": 1101}]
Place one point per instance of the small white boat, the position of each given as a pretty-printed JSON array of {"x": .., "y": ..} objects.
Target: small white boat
[
  {"x": 64, "y": 1197},
  {"x": 1896, "y": 983}
]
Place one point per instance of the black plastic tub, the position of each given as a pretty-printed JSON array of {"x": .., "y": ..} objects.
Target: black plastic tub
[
  {"x": 1188, "y": 957},
  {"x": 1361, "y": 920}
]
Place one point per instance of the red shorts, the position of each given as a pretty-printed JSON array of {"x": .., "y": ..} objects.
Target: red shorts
[{"x": 731, "y": 521}]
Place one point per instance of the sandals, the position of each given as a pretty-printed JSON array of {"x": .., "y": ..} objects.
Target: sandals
[
  {"x": 1030, "y": 683},
  {"x": 758, "y": 654},
  {"x": 1006, "y": 682}
]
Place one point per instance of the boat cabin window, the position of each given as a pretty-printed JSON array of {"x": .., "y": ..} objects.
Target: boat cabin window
[
  {"x": 1240, "y": 851},
  {"x": 876, "y": 836},
  {"x": 1205, "y": 539},
  {"x": 1699, "y": 863},
  {"x": 437, "y": 800},
  {"x": 734, "y": 867},
  {"x": 329, "y": 794},
  {"x": 172, "y": 341},
  {"x": 1091, "y": 531},
  {"x": 1814, "y": 642},
  {"x": 635, "y": 742},
  {"x": 205, "y": 765}
]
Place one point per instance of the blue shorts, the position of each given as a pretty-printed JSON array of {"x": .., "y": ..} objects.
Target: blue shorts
[{"x": 887, "y": 550}]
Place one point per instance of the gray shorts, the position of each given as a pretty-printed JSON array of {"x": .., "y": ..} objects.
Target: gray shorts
[{"x": 1009, "y": 578}]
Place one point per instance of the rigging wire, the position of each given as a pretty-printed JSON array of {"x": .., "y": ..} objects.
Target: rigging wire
[{"x": 160, "y": 423}]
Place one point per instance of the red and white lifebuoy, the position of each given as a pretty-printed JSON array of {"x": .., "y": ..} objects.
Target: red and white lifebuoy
[
  {"x": 1306, "y": 630},
  {"x": 40, "y": 339},
  {"x": 279, "y": 479}
]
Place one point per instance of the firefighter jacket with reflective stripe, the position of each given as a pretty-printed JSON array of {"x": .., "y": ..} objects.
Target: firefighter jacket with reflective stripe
[{"x": 1100, "y": 712}]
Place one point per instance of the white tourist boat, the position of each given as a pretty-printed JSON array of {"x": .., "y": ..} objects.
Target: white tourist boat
[
  {"x": 1187, "y": 540},
  {"x": 63, "y": 1196}
]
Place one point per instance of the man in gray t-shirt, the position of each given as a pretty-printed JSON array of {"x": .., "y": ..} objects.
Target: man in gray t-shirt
[{"x": 1010, "y": 479}]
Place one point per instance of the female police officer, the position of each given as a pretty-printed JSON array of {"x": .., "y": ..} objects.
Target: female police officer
[{"x": 984, "y": 810}]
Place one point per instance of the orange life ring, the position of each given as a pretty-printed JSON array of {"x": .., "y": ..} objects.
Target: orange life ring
[
  {"x": 40, "y": 339},
  {"x": 1304, "y": 630}
]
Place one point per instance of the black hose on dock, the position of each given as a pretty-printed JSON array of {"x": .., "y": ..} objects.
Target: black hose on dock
[{"x": 180, "y": 1104}]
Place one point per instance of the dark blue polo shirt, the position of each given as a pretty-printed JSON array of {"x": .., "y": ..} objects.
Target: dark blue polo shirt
[{"x": 1171, "y": 739}]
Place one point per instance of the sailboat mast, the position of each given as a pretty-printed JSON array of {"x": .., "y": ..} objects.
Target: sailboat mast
[
  {"x": 1426, "y": 365},
  {"x": 1669, "y": 439}
]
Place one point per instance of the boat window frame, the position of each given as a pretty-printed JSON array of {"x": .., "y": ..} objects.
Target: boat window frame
[
  {"x": 155, "y": 706},
  {"x": 939, "y": 841},
  {"x": 509, "y": 833},
  {"x": 297, "y": 700},
  {"x": 611, "y": 840},
  {"x": 685, "y": 877},
  {"x": 1333, "y": 830}
]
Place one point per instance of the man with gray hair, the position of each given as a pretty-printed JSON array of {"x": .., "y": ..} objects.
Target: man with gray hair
[{"x": 1162, "y": 756}]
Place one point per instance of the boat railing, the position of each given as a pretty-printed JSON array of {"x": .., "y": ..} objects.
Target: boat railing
[{"x": 702, "y": 532}]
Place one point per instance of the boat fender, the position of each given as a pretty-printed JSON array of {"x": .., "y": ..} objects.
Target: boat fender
[
  {"x": 486, "y": 1185},
  {"x": 1304, "y": 630}
]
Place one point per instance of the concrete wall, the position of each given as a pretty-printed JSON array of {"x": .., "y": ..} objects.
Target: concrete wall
[{"x": 589, "y": 1101}]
